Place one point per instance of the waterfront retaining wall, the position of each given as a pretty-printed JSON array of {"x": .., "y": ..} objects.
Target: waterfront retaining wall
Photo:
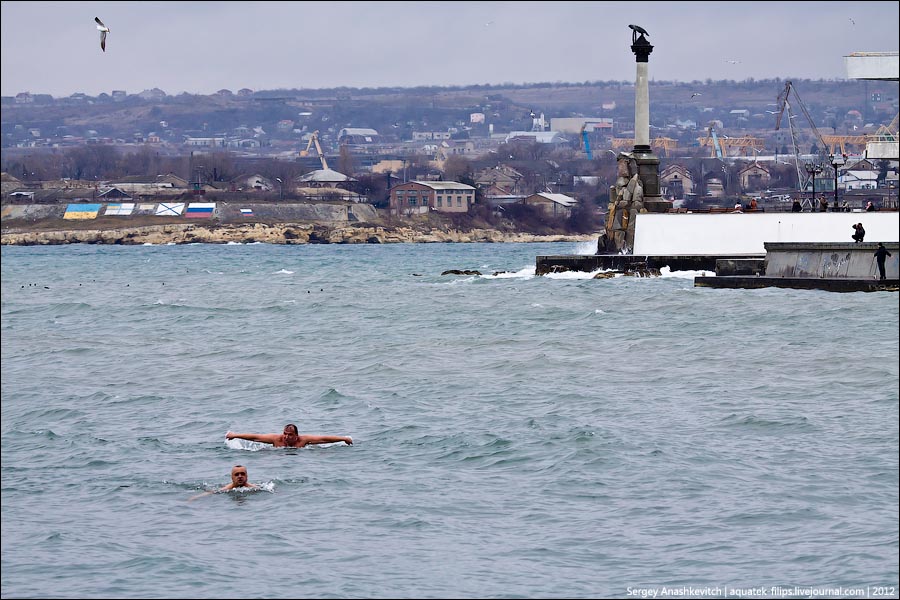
[
  {"x": 830, "y": 261},
  {"x": 685, "y": 234},
  {"x": 224, "y": 212}
]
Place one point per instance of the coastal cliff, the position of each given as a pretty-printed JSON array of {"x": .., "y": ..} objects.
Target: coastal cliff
[{"x": 284, "y": 233}]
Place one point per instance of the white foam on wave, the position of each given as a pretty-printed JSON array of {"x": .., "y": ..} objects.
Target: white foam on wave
[
  {"x": 176, "y": 302},
  {"x": 525, "y": 273},
  {"x": 577, "y": 274},
  {"x": 588, "y": 248},
  {"x": 668, "y": 272},
  {"x": 459, "y": 281},
  {"x": 238, "y": 444},
  {"x": 268, "y": 486}
]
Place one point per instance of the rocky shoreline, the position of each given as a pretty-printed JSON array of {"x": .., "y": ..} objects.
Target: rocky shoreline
[{"x": 284, "y": 233}]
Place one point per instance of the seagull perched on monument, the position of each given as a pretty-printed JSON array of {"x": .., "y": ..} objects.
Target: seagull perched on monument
[
  {"x": 637, "y": 29},
  {"x": 103, "y": 29}
]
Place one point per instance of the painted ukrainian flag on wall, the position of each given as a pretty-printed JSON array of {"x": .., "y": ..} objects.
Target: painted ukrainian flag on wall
[
  {"x": 200, "y": 210},
  {"x": 81, "y": 211}
]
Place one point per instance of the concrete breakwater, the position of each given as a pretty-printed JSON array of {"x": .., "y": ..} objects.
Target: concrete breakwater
[{"x": 284, "y": 233}]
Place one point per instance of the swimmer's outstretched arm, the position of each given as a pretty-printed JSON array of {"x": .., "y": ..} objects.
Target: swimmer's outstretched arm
[
  {"x": 265, "y": 438},
  {"x": 326, "y": 439},
  {"x": 192, "y": 498}
]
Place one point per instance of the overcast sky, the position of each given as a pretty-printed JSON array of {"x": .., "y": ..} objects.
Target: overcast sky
[{"x": 202, "y": 47}]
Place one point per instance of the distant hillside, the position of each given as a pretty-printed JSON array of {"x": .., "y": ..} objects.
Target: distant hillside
[{"x": 397, "y": 112}]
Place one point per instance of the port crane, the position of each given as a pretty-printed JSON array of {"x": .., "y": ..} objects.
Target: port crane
[
  {"x": 663, "y": 144},
  {"x": 711, "y": 132},
  {"x": 785, "y": 103},
  {"x": 586, "y": 128},
  {"x": 314, "y": 140},
  {"x": 887, "y": 133},
  {"x": 837, "y": 144},
  {"x": 586, "y": 142},
  {"x": 720, "y": 145}
]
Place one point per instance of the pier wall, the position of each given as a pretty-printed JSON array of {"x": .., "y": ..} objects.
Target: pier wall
[
  {"x": 686, "y": 234},
  {"x": 831, "y": 261},
  {"x": 831, "y": 267}
]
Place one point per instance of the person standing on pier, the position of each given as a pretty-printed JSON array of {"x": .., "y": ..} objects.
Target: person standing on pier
[{"x": 881, "y": 253}]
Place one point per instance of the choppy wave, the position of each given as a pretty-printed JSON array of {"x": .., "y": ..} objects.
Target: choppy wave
[{"x": 516, "y": 435}]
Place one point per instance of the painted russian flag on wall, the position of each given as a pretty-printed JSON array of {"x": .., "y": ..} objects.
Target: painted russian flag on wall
[
  {"x": 82, "y": 211},
  {"x": 246, "y": 212},
  {"x": 200, "y": 210}
]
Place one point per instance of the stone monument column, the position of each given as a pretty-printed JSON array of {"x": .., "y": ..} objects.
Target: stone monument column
[
  {"x": 637, "y": 178},
  {"x": 642, "y": 49},
  {"x": 647, "y": 162}
]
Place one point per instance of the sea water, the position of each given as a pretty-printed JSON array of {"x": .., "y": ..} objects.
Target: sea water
[{"x": 514, "y": 435}]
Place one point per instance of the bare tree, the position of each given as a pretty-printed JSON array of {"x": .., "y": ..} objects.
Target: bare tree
[
  {"x": 145, "y": 161},
  {"x": 95, "y": 161},
  {"x": 346, "y": 162},
  {"x": 220, "y": 166},
  {"x": 457, "y": 167}
]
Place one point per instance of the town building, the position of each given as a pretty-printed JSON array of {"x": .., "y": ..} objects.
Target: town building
[{"x": 417, "y": 197}]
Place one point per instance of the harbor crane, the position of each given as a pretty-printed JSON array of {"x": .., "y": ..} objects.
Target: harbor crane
[
  {"x": 721, "y": 145},
  {"x": 711, "y": 132},
  {"x": 586, "y": 128},
  {"x": 664, "y": 144},
  {"x": 586, "y": 142},
  {"x": 314, "y": 139},
  {"x": 784, "y": 102}
]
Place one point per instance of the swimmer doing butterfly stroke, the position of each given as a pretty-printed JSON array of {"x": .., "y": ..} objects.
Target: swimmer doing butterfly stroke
[{"x": 290, "y": 438}]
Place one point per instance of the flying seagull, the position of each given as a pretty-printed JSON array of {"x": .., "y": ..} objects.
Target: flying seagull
[
  {"x": 103, "y": 29},
  {"x": 733, "y": 62},
  {"x": 695, "y": 94}
]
